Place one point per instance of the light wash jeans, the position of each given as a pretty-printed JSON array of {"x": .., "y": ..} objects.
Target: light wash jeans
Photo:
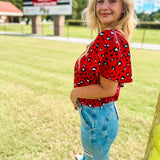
[{"x": 99, "y": 128}]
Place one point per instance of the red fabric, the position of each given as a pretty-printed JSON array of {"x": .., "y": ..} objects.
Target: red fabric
[
  {"x": 108, "y": 56},
  {"x": 8, "y": 7}
]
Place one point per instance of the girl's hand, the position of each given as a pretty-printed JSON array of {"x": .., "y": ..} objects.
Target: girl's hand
[{"x": 74, "y": 99}]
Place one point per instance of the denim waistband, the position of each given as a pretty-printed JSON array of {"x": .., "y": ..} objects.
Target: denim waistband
[
  {"x": 110, "y": 104},
  {"x": 103, "y": 105}
]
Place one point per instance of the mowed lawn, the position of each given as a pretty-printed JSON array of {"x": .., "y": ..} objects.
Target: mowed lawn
[{"x": 37, "y": 119}]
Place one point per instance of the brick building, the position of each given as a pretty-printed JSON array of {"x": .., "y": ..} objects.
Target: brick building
[{"x": 9, "y": 13}]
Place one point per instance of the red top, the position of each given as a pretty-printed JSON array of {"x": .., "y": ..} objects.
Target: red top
[{"x": 108, "y": 56}]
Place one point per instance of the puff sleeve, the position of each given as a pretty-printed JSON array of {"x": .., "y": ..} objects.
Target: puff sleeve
[{"x": 116, "y": 59}]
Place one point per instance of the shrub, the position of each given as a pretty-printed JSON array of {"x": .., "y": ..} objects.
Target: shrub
[
  {"x": 147, "y": 25},
  {"x": 75, "y": 22}
]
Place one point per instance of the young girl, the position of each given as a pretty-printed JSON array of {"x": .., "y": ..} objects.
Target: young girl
[{"x": 100, "y": 72}]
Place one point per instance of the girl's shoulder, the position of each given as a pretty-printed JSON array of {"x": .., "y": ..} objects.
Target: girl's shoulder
[{"x": 111, "y": 35}]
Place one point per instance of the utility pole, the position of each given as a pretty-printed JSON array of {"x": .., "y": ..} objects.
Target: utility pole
[{"x": 153, "y": 146}]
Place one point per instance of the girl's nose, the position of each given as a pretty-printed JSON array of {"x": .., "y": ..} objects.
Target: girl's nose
[{"x": 105, "y": 5}]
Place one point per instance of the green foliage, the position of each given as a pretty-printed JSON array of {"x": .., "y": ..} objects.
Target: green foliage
[
  {"x": 143, "y": 16},
  {"x": 75, "y": 22},
  {"x": 78, "y": 7},
  {"x": 154, "y": 16},
  {"x": 149, "y": 25},
  {"x": 144, "y": 24}
]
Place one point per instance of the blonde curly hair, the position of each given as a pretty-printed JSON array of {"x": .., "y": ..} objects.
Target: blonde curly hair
[{"x": 126, "y": 23}]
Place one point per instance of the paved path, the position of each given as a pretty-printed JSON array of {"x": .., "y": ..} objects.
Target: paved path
[{"x": 81, "y": 40}]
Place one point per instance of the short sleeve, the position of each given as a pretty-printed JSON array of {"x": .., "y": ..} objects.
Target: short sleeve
[{"x": 116, "y": 59}]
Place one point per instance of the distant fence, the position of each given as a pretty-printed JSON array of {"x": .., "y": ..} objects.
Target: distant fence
[
  {"x": 151, "y": 36},
  {"x": 47, "y": 29}
]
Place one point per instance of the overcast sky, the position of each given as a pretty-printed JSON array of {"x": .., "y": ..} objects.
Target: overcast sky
[{"x": 147, "y": 5}]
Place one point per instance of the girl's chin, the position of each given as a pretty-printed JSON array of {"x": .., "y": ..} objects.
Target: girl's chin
[{"x": 105, "y": 26}]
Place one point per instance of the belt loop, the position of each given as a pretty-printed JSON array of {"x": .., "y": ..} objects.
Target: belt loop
[{"x": 101, "y": 107}]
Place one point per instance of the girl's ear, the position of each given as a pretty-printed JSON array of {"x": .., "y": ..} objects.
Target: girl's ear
[
  {"x": 122, "y": 15},
  {"x": 123, "y": 10}
]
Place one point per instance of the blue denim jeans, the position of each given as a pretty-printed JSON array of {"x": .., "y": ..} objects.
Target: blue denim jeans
[{"x": 99, "y": 128}]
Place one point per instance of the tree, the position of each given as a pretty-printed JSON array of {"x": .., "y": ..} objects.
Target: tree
[
  {"x": 155, "y": 15},
  {"x": 153, "y": 146},
  {"x": 74, "y": 7},
  {"x": 82, "y": 4},
  {"x": 78, "y": 7},
  {"x": 143, "y": 16}
]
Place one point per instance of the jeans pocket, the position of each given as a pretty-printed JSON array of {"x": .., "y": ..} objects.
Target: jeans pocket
[
  {"x": 110, "y": 128},
  {"x": 86, "y": 121}
]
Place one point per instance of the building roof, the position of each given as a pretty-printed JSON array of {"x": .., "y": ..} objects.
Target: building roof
[{"x": 9, "y": 9}]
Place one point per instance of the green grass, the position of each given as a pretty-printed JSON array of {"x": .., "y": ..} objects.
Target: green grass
[
  {"x": 37, "y": 119},
  {"x": 151, "y": 35}
]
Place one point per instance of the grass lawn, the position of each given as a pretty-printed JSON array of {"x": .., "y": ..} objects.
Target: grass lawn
[
  {"x": 37, "y": 119},
  {"x": 150, "y": 35}
]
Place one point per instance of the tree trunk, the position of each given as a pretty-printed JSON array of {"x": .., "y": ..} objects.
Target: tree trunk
[{"x": 153, "y": 146}]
